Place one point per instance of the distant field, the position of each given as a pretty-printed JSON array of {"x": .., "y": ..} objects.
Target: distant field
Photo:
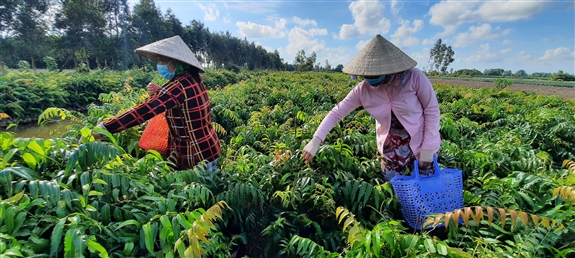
[
  {"x": 514, "y": 80},
  {"x": 566, "y": 92}
]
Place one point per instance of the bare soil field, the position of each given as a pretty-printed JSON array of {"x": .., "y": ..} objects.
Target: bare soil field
[{"x": 563, "y": 92}]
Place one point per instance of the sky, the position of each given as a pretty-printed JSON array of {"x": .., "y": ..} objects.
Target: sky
[{"x": 535, "y": 36}]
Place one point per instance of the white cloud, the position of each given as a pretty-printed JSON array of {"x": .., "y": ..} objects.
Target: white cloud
[
  {"x": 316, "y": 31},
  {"x": 447, "y": 30},
  {"x": 457, "y": 12},
  {"x": 405, "y": 30},
  {"x": 227, "y": 19},
  {"x": 402, "y": 36},
  {"x": 396, "y": 6},
  {"x": 509, "y": 10},
  {"x": 482, "y": 32},
  {"x": 304, "y": 22},
  {"x": 369, "y": 19},
  {"x": 558, "y": 54},
  {"x": 361, "y": 44},
  {"x": 336, "y": 56},
  {"x": 299, "y": 39},
  {"x": 505, "y": 51},
  {"x": 211, "y": 11},
  {"x": 453, "y": 12},
  {"x": 504, "y": 32},
  {"x": 508, "y": 42},
  {"x": 421, "y": 57},
  {"x": 523, "y": 56},
  {"x": 483, "y": 55},
  {"x": 405, "y": 42},
  {"x": 428, "y": 42},
  {"x": 253, "y": 30}
]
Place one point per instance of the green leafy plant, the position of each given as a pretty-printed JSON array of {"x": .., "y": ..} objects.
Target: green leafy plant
[
  {"x": 501, "y": 83},
  {"x": 112, "y": 198}
]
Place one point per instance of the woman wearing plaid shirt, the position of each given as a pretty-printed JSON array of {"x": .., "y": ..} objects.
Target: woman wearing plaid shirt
[{"x": 185, "y": 100}]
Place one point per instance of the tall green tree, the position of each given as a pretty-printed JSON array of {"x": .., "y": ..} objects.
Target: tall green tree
[
  {"x": 304, "y": 63},
  {"x": 148, "y": 22},
  {"x": 31, "y": 30},
  {"x": 84, "y": 26},
  {"x": 441, "y": 56}
]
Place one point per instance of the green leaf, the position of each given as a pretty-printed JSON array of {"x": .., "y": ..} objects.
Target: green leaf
[
  {"x": 73, "y": 244},
  {"x": 56, "y": 237},
  {"x": 528, "y": 199},
  {"x": 129, "y": 222},
  {"x": 94, "y": 246},
  {"x": 18, "y": 221},
  {"x": 441, "y": 249},
  {"x": 99, "y": 181},
  {"x": 429, "y": 245},
  {"x": 30, "y": 160},
  {"x": 183, "y": 221},
  {"x": 128, "y": 247},
  {"x": 8, "y": 156},
  {"x": 148, "y": 237},
  {"x": 105, "y": 214},
  {"x": 12, "y": 252},
  {"x": 166, "y": 229},
  {"x": 33, "y": 145},
  {"x": 92, "y": 193}
]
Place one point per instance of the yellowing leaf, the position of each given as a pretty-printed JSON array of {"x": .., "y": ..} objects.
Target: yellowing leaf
[
  {"x": 513, "y": 215},
  {"x": 4, "y": 115},
  {"x": 456, "y": 215},
  {"x": 545, "y": 222},
  {"x": 478, "y": 214},
  {"x": 348, "y": 222},
  {"x": 489, "y": 215},
  {"x": 523, "y": 217},
  {"x": 535, "y": 220},
  {"x": 447, "y": 218},
  {"x": 438, "y": 219},
  {"x": 14, "y": 198},
  {"x": 466, "y": 215},
  {"x": 503, "y": 214}
]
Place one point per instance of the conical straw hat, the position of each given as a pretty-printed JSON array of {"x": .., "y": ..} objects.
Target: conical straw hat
[
  {"x": 379, "y": 57},
  {"x": 173, "y": 47}
]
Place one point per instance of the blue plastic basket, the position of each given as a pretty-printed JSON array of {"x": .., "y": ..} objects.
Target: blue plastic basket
[{"x": 421, "y": 196}]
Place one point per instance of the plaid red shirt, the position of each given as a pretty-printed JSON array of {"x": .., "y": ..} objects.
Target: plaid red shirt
[{"x": 192, "y": 138}]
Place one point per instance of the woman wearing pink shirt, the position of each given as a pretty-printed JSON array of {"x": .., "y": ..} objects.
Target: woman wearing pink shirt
[{"x": 403, "y": 103}]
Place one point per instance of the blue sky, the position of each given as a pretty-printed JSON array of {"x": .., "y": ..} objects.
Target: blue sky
[{"x": 536, "y": 36}]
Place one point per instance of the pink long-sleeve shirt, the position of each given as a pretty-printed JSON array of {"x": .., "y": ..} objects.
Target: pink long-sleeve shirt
[{"x": 412, "y": 100}]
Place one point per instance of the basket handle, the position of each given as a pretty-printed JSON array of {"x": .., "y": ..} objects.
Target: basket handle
[{"x": 436, "y": 169}]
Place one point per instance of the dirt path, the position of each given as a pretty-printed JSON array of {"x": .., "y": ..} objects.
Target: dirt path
[{"x": 564, "y": 92}]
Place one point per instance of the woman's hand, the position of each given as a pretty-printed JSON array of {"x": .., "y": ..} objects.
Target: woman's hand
[
  {"x": 153, "y": 88},
  {"x": 425, "y": 164},
  {"x": 97, "y": 137},
  {"x": 310, "y": 149},
  {"x": 425, "y": 158}
]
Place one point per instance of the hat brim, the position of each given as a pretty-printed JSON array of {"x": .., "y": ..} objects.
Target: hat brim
[
  {"x": 173, "y": 48},
  {"x": 379, "y": 57}
]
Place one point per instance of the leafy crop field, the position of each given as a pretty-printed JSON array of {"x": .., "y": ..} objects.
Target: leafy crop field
[{"x": 110, "y": 199}]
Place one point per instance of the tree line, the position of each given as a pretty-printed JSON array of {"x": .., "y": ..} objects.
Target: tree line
[{"x": 104, "y": 33}]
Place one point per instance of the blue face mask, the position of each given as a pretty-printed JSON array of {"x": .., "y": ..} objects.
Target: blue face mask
[
  {"x": 164, "y": 72},
  {"x": 375, "y": 82}
]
